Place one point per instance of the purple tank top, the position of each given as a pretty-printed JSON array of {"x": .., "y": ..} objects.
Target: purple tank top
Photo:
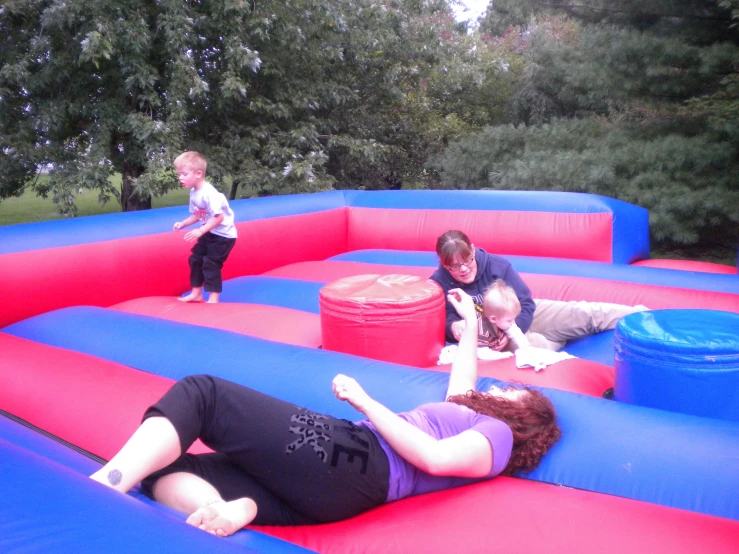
[{"x": 442, "y": 420}]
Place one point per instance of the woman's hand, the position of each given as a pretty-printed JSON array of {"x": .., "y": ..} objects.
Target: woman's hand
[
  {"x": 348, "y": 390},
  {"x": 463, "y": 303}
]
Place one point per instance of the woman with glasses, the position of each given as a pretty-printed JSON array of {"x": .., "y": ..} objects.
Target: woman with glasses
[
  {"x": 473, "y": 270},
  {"x": 547, "y": 323}
]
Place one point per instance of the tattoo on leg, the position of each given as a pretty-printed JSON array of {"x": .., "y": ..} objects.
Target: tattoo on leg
[
  {"x": 114, "y": 477},
  {"x": 312, "y": 430}
]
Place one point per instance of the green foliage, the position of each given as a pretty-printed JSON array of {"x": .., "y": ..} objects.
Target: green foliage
[
  {"x": 635, "y": 100},
  {"x": 693, "y": 20},
  {"x": 294, "y": 96},
  {"x": 686, "y": 182},
  {"x": 29, "y": 208},
  {"x": 416, "y": 82},
  {"x": 81, "y": 91},
  {"x": 503, "y": 15},
  {"x": 578, "y": 70}
]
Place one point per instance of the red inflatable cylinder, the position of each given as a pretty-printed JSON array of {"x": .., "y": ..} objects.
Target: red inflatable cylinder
[{"x": 394, "y": 318}]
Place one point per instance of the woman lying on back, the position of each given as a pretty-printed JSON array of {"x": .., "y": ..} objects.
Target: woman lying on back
[{"x": 278, "y": 464}]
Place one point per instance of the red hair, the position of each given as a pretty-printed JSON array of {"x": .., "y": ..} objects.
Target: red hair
[{"x": 532, "y": 420}]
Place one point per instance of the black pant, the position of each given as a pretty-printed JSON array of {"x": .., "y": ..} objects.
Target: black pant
[
  {"x": 298, "y": 466},
  {"x": 206, "y": 261}
]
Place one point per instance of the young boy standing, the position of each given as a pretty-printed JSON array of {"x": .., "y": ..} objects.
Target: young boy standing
[{"x": 216, "y": 235}]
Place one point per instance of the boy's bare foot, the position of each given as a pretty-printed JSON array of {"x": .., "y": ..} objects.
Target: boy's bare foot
[
  {"x": 192, "y": 297},
  {"x": 224, "y": 518},
  {"x": 213, "y": 297}
]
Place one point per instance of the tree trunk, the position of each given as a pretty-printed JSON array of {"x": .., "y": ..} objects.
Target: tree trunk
[
  {"x": 130, "y": 201},
  {"x": 234, "y": 189}
]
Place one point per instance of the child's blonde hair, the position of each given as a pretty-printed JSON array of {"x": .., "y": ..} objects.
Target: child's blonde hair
[
  {"x": 193, "y": 160},
  {"x": 501, "y": 299}
]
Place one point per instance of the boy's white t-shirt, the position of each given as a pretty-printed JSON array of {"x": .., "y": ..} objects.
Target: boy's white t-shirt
[{"x": 207, "y": 202}]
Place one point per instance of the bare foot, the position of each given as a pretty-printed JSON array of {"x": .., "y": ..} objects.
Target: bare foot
[
  {"x": 224, "y": 518},
  {"x": 192, "y": 297},
  {"x": 213, "y": 297}
]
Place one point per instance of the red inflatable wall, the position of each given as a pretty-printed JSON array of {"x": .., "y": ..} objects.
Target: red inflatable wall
[
  {"x": 105, "y": 273},
  {"x": 88, "y": 401},
  {"x": 521, "y": 517},
  {"x": 264, "y": 322},
  {"x": 689, "y": 265},
  {"x": 586, "y": 236},
  {"x": 552, "y": 287}
]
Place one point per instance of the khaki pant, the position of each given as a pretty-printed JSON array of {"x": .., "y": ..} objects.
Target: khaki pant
[{"x": 555, "y": 321}]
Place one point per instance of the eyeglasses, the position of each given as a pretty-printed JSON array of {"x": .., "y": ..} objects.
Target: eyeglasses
[{"x": 466, "y": 263}]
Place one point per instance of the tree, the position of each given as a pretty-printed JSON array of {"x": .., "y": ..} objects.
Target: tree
[
  {"x": 429, "y": 84},
  {"x": 502, "y": 16},
  {"x": 96, "y": 88},
  {"x": 294, "y": 96},
  {"x": 636, "y": 101},
  {"x": 685, "y": 181}
]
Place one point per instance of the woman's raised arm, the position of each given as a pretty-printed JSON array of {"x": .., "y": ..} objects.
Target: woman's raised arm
[
  {"x": 467, "y": 454},
  {"x": 463, "y": 376}
]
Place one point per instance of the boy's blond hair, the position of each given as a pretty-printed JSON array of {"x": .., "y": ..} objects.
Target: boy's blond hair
[
  {"x": 193, "y": 160},
  {"x": 500, "y": 299}
]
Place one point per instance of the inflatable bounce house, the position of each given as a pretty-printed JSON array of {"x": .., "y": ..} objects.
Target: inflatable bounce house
[{"x": 91, "y": 333}]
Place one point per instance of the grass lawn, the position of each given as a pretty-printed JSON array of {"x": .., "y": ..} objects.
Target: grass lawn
[{"x": 29, "y": 207}]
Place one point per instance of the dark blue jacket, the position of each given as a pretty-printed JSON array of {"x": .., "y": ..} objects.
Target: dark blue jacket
[{"x": 489, "y": 268}]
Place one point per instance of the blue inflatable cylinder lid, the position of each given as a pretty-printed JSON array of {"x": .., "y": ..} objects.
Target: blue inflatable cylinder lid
[{"x": 679, "y": 336}]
